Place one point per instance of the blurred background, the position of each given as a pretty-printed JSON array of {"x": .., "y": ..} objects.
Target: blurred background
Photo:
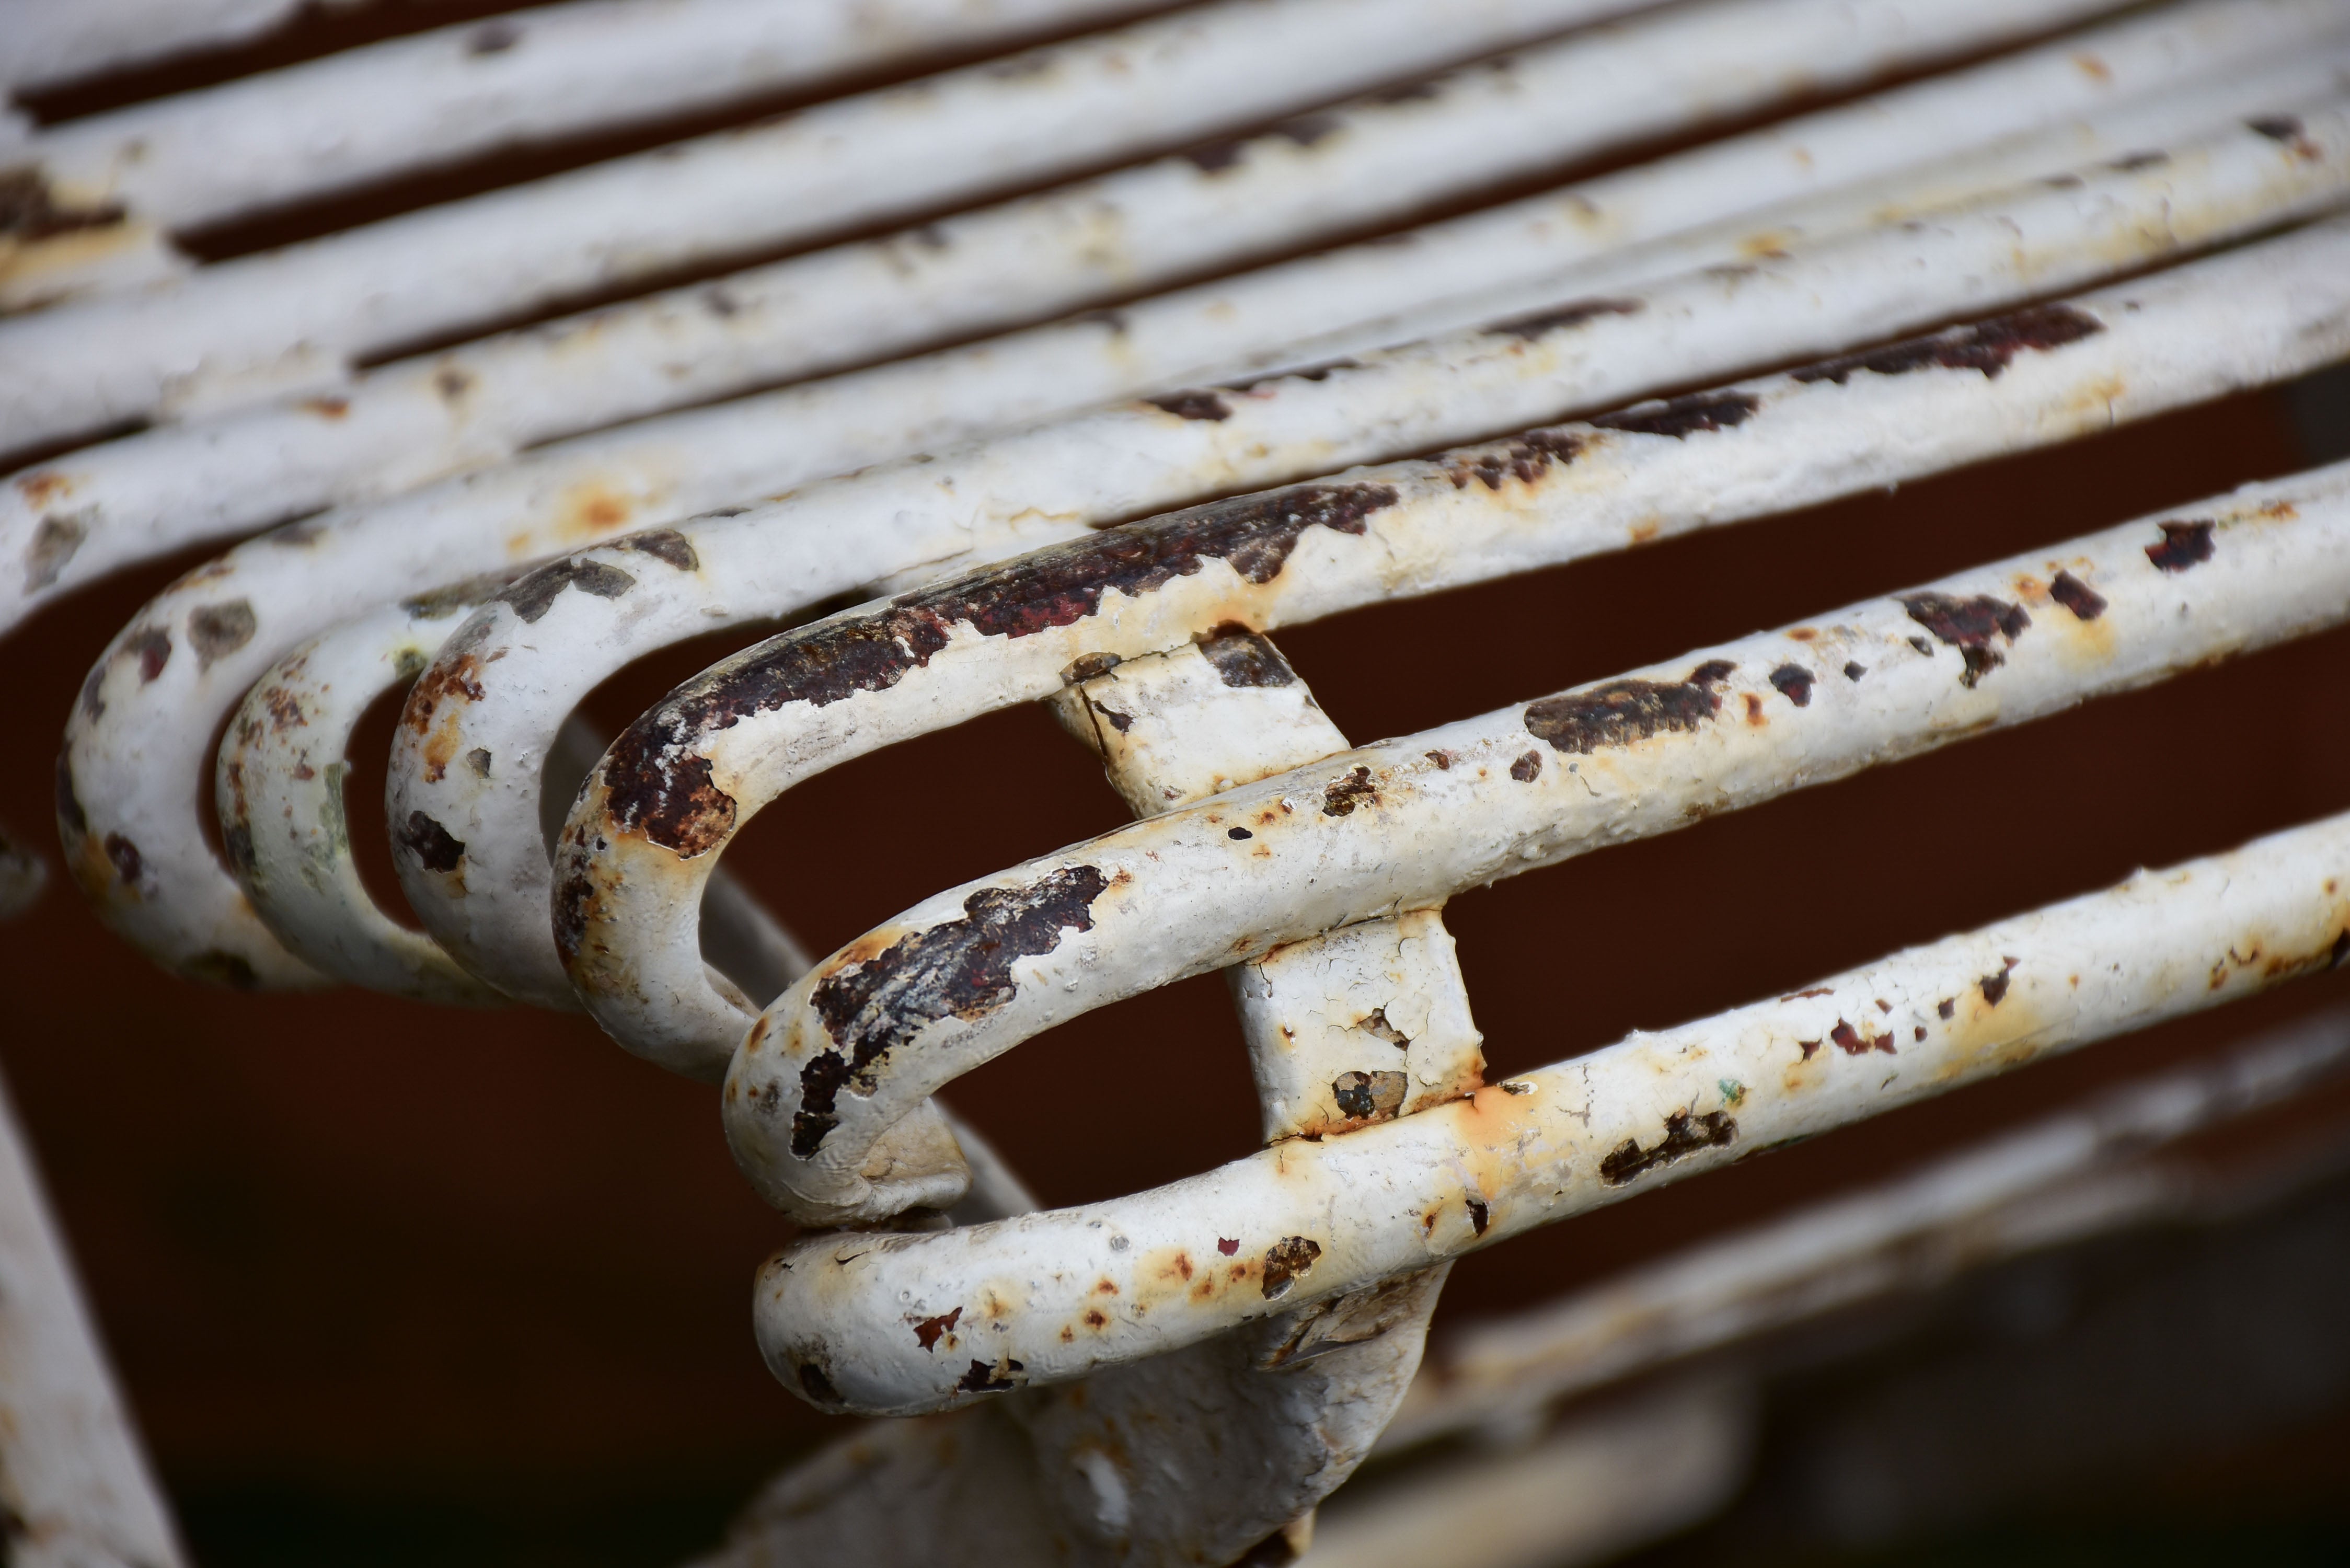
[{"x": 392, "y": 1284}]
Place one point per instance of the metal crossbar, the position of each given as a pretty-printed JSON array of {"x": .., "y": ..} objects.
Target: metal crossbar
[{"x": 1087, "y": 445}]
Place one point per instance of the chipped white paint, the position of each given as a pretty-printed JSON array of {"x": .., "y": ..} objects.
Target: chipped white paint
[
  {"x": 2085, "y": 1171},
  {"x": 1650, "y": 1109},
  {"x": 1395, "y": 530},
  {"x": 287, "y": 318},
  {"x": 1409, "y": 822},
  {"x": 77, "y": 1490},
  {"x": 2172, "y": 73}
]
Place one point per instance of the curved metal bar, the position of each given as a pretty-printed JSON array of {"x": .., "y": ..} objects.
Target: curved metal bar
[
  {"x": 2205, "y": 329},
  {"x": 1303, "y": 1221},
  {"x": 826, "y": 1075},
  {"x": 74, "y": 518},
  {"x": 673, "y": 792},
  {"x": 256, "y": 325}
]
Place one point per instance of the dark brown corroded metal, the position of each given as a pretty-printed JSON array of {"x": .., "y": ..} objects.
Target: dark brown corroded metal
[
  {"x": 1684, "y": 416},
  {"x": 1285, "y": 1261},
  {"x": 2083, "y": 601},
  {"x": 1971, "y": 626},
  {"x": 1243, "y": 658},
  {"x": 217, "y": 630},
  {"x": 1575, "y": 313},
  {"x": 2184, "y": 545},
  {"x": 53, "y": 545},
  {"x": 1366, "y": 1095},
  {"x": 1619, "y": 713},
  {"x": 1984, "y": 346},
  {"x": 1527, "y": 768},
  {"x": 929, "y": 1330},
  {"x": 1684, "y": 1135},
  {"x": 532, "y": 597},
  {"x": 430, "y": 843},
  {"x": 983, "y": 1378},
  {"x": 959, "y": 968},
  {"x": 663, "y": 544},
  {"x": 1526, "y": 460},
  {"x": 1192, "y": 405},
  {"x": 153, "y": 645},
  {"x": 1794, "y": 682},
  {"x": 1345, "y": 793}
]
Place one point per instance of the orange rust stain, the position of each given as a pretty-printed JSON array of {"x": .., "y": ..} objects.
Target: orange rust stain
[
  {"x": 1642, "y": 532},
  {"x": 2093, "y": 69},
  {"x": 1097, "y": 1318},
  {"x": 326, "y": 407},
  {"x": 1107, "y": 1288},
  {"x": 2279, "y": 511},
  {"x": 1803, "y": 634},
  {"x": 1754, "y": 712},
  {"x": 592, "y": 511},
  {"x": 42, "y": 487}
]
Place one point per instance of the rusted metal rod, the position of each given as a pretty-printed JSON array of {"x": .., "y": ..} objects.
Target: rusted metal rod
[
  {"x": 74, "y": 518},
  {"x": 145, "y": 722},
  {"x": 287, "y": 319},
  {"x": 407, "y": 104},
  {"x": 1305, "y": 1219},
  {"x": 2162, "y": 343},
  {"x": 1388, "y": 828},
  {"x": 686, "y": 776}
]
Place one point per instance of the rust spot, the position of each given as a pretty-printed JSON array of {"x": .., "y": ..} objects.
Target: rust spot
[
  {"x": 1946, "y": 1007},
  {"x": 1237, "y": 833},
  {"x": 430, "y": 842},
  {"x": 1344, "y": 795},
  {"x": 533, "y": 595},
  {"x": 1574, "y": 314},
  {"x": 1364, "y": 1097},
  {"x": 1192, "y": 405},
  {"x": 1443, "y": 760},
  {"x": 1795, "y": 683},
  {"x": 1815, "y": 990},
  {"x": 1684, "y": 1136},
  {"x": 817, "y": 1386},
  {"x": 1984, "y": 346},
  {"x": 153, "y": 647},
  {"x": 43, "y": 486},
  {"x": 326, "y": 407},
  {"x": 1120, "y": 722},
  {"x": 29, "y": 210},
  {"x": 1227, "y": 1245},
  {"x": 1684, "y": 416},
  {"x": 1852, "y": 1043},
  {"x": 1285, "y": 1261},
  {"x": 1969, "y": 626},
  {"x": 1994, "y": 986},
  {"x": 1527, "y": 768},
  {"x": 493, "y": 38},
  {"x": 2083, "y": 601},
  {"x": 959, "y": 968},
  {"x": 2184, "y": 545},
  {"x": 663, "y": 544},
  {"x": 1243, "y": 658},
  {"x": 929, "y": 1329},
  {"x": 1480, "y": 1216},
  {"x": 984, "y": 1379},
  {"x": 219, "y": 630},
  {"x": 54, "y": 543},
  {"x": 1855, "y": 671},
  {"x": 451, "y": 383},
  {"x": 1919, "y": 1032},
  {"x": 478, "y": 759},
  {"x": 1526, "y": 459},
  {"x": 1097, "y": 1318},
  {"x": 1619, "y": 713},
  {"x": 123, "y": 856}
]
